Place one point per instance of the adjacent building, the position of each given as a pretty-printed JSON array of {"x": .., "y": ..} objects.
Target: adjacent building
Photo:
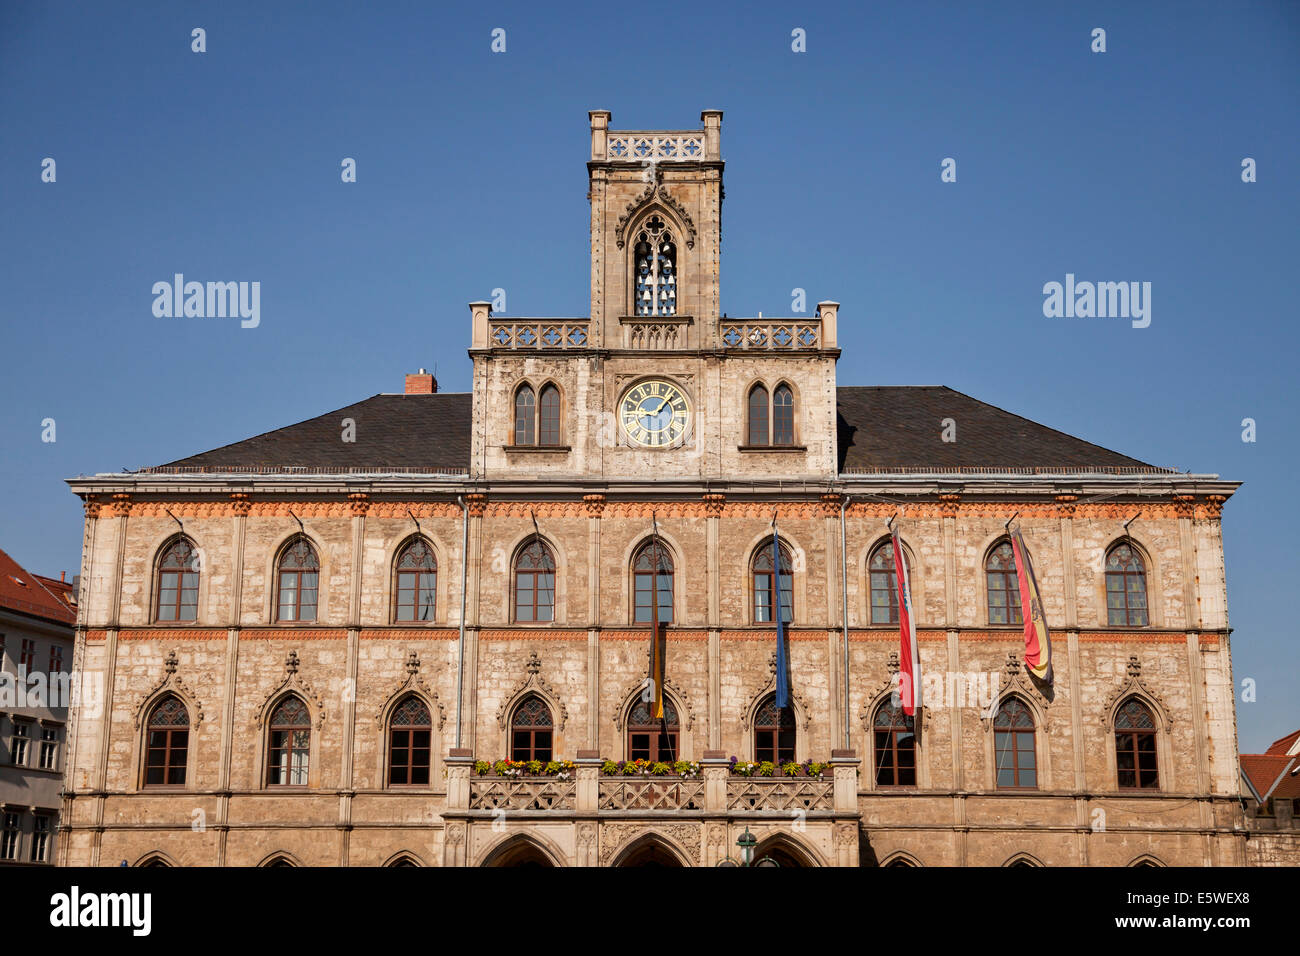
[
  {"x": 1270, "y": 791},
  {"x": 416, "y": 630},
  {"x": 37, "y": 615}
]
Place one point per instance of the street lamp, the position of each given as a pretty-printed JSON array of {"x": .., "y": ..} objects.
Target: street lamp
[{"x": 747, "y": 842}]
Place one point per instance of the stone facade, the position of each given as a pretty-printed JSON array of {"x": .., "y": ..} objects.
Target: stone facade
[{"x": 592, "y": 498}]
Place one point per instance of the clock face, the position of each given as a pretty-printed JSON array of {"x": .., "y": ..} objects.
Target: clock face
[{"x": 654, "y": 414}]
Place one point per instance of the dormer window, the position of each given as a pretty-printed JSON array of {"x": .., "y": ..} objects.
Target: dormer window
[{"x": 655, "y": 265}]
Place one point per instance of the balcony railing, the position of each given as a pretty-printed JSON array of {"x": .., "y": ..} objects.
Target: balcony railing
[
  {"x": 768, "y": 335},
  {"x": 640, "y": 794},
  {"x": 783, "y": 795},
  {"x": 522, "y": 793},
  {"x": 539, "y": 333}
]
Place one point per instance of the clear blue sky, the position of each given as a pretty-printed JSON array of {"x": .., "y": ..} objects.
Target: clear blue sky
[{"x": 225, "y": 165}]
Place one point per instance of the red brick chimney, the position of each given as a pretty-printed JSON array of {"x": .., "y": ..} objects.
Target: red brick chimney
[{"x": 421, "y": 383}]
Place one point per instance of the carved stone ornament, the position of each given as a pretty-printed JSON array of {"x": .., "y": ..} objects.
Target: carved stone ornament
[
  {"x": 795, "y": 698},
  {"x": 170, "y": 683},
  {"x": 685, "y": 712},
  {"x": 292, "y": 682},
  {"x": 413, "y": 682},
  {"x": 1015, "y": 684},
  {"x": 655, "y": 193},
  {"x": 534, "y": 681},
  {"x": 1133, "y": 685}
]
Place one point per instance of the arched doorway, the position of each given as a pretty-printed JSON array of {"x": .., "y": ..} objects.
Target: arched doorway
[
  {"x": 649, "y": 851},
  {"x": 520, "y": 851},
  {"x": 784, "y": 853}
]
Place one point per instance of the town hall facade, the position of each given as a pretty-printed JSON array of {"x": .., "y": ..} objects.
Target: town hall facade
[{"x": 416, "y": 630}]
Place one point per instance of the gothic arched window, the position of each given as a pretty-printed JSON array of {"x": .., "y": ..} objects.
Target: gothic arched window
[
  {"x": 417, "y": 582},
  {"x": 410, "y": 731},
  {"x": 894, "y": 747},
  {"x": 1126, "y": 587},
  {"x": 774, "y": 732},
  {"x": 298, "y": 579},
  {"x": 534, "y": 583},
  {"x": 783, "y": 415},
  {"x": 548, "y": 430},
  {"x": 290, "y": 744},
  {"x": 168, "y": 743},
  {"x": 757, "y": 416},
  {"x": 1135, "y": 747},
  {"x": 765, "y": 585},
  {"x": 525, "y": 416},
  {"x": 531, "y": 730},
  {"x": 178, "y": 582},
  {"x": 654, "y": 267},
  {"x": 646, "y": 736},
  {"x": 644, "y": 583},
  {"x": 1003, "y": 586},
  {"x": 1013, "y": 745},
  {"x": 884, "y": 584}
]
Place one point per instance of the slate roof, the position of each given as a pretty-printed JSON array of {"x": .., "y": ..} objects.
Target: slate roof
[
  {"x": 879, "y": 428},
  {"x": 28, "y": 593}
]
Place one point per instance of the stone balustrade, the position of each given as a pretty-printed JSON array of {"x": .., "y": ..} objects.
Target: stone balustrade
[{"x": 538, "y": 333}]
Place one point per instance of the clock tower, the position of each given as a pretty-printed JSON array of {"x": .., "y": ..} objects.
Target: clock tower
[{"x": 654, "y": 385}]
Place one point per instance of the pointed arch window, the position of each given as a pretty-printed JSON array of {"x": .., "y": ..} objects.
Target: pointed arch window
[
  {"x": 1126, "y": 587},
  {"x": 774, "y": 732},
  {"x": 654, "y": 259},
  {"x": 647, "y": 584},
  {"x": 298, "y": 579},
  {"x": 534, "y": 583},
  {"x": 549, "y": 416},
  {"x": 765, "y": 580},
  {"x": 1003, "y": 586},
  {"x": 650, "y": 739},
  {"x": 168, "y": 743},
  {"x": 783, "y": 415},
  {"x": 417, "y": 582},
  {"x": 1016, "y": 765},
  {"x": 178, "y": 582},
  {"x": 758, "y": 416},
  {"x": 894, "y": 740},
  {"x": 525, "y": 416},
  {"x": 531, "y": 730},
  {"x": 884, "y": 584},
  {"x": 1135, "y": 747},
  {"x": 410, "y": 733},
  {"x": 289, "y": 753}
]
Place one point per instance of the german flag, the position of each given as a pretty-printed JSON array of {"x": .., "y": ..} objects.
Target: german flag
[{"x": 1038, "y": 642}]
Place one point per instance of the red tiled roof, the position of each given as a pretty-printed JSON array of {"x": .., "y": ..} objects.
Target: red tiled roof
[
  {"x": 30, "y": 594},
  {"x": 1264, "y": 771},
  {"x": 1283, "y": 745}
]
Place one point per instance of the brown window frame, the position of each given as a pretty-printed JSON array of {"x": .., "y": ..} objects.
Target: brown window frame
[
  {"x": 757, "y": 403},
  {"x": 417, "y": 580},
  {"x": 183, "y": 576},
  {"x": 1129, "y": 742},
  {"x": 525, "y": 431},
  {"x": 404, "y": 736},
  {"x": 529, "y": 747},
  {"x": 1125, "y": 573},
  {"x": 534, "y": 546},
  {"x": 783, "y": 417},
  {"x": 294, "y": 550},
  {"x": 283, "y": 743},
  {"x": 656, "y": 746},
  {"x": 646, "y": 581},
  {"x": 549, "y": 416},
  {"x": 167, "y": 743},
  {"x": 890, "y": 578},
  {"x": 776, "y": 734},
  {"x": 764, "y": 579},
  {"x": 1004, "y": 725},
  {"x": 886, "y": 741},
  {"x": 1002, "y": 579}
]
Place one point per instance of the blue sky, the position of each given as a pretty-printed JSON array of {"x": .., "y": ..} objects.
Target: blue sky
[{"x": 225, "y": 165}]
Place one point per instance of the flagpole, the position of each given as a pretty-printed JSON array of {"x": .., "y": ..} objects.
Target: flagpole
[{"x": 657, "y": 664}]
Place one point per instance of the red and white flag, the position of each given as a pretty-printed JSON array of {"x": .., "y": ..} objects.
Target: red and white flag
[{"x": 909, "y": 654}]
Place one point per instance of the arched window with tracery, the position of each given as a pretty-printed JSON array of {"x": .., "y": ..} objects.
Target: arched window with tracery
[
  {"x": 765, "y": 581},
  {"x": 783, "y": 415},
  {"x": 548, "y": 418},
  {"x": 289, "y": 750},
  {"x": 534, "y": 583},
  {"x": 647, "y": 738},
  {"x": 654, "y": 258},
  {"x": 1003, "y": 586},
  {"x": 1016, "y": 759},
  {"x": 884, "y": 584},
  {"x": 298, "y": 580},
  {"x": 646, "y": 583},
  {"x": 774, "y": 732},
  {"x": 894, "y": 746},
  {"x": 757, "y": 416},
  {"x": 1135, "y": 747},
  {"x": 168, "y": 743},
  {"x": 1126, "y": 587},
  {"x": 525, "y": 415},
  {"x": 531, "y": 730},
  {"x": 178, "y": 582},
  {"x": 417, "y": 582},
  {"x": 410, "y": 732}
]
